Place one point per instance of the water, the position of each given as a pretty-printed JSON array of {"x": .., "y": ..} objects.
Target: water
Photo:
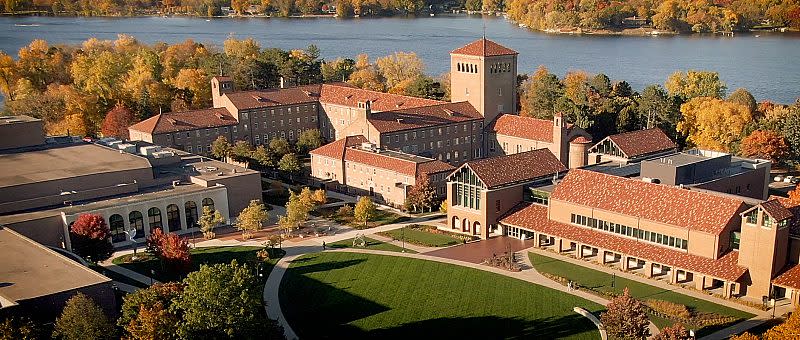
[{"x": 767, "y": 65}]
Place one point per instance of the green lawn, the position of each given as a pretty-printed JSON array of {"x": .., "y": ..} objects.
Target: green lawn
[
  {"x": 207, "y": 255},
  {"x": 117, "y": 277},
  {"x": 382, "y": 217},
  {"x": 600, "y": 281},
  {"x": 371, "y": 244},
  {"x": 347, "y": 295},
  {"x": 421, "y": 237}
]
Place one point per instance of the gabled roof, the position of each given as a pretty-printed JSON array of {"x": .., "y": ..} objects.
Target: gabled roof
[
  {"x": 347, "y": 95},
  {"x": 694, "y": 210},
  {"x": 790, "y": 277},
  {"x": 642, "y": 142},
  {"x": 774, "y": 209},
  {"x": 523, "y": 127},
  {"x": 185, "y": 121},
  {"x": 244, "y": 100},
  {"x": 794, "y": 208},
  {"x": 534, "y": 217},
  {"x": 411, "y": 165},
  {"x": 424, "y": 116},
  {"x": 484, "y": 48},
  {"x": 516, "y": 168},
  {"x": 336, "y": 148}
]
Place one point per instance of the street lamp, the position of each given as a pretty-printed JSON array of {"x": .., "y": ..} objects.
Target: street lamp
[
  {"x": 613, "y": 279},
  {"x": 403, "y": 236}
]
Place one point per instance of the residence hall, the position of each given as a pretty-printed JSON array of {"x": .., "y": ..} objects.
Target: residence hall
[
  {"x": 480, "y": 116},
  {"x": 353, "y": 165},
  {"x": 46, "y": 183}
]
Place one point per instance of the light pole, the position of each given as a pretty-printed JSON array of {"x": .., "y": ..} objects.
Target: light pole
[{"x": 403, "y": 236}]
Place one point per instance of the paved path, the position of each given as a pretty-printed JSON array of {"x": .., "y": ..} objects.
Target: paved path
[{"x": 414, "y": 247}]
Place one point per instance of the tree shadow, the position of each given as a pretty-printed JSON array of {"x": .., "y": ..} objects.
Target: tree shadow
[{"x": 321, "y": 267}]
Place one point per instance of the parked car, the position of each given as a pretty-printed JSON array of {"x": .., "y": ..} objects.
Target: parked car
[
  {"x": 796, "y": 180},
  {"x": 788, "y": 179},
  {"x": 778, "y": 179}
]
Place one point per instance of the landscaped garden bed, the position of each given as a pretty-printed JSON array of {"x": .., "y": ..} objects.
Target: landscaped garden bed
[
  {"x": 355, "y": 296},
  {"x": 665, "y": 307},
  {"x": 343, "y": 215},
  {"x": 367, "y": 243},
  {"x": 426, "y": 236},
  {"x": 148, "y": 265}
]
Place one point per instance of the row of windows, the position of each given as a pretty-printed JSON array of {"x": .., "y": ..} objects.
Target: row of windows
[
  {"x": 281, "y": 122},
  {"x": 637, "y": 233},
  {"x": 500, "y": 68},
  {"x": 199, "y": 132},
  {"x": 468, "y": 196},
  {"x": 467, "y": 68},
  {"x": 280, "y": 110},
  {"x": 767, "y": 221},
  {"x": 154, "y": 219},
  {"x": 422, "y": 134}
]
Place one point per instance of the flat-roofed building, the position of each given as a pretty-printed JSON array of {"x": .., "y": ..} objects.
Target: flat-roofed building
[
  {"x": 354, "y": 165},
  {"x": 20, "y": 131},
  {"x": 37, "y": 281},
  {"x": 132, "y": 185}
]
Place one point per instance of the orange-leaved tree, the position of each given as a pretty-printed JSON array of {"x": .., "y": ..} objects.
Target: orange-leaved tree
[
  {"x": 117, "y": 122},
  {"x": 89, "y": 235},
  {"x": 765, "y": 144}
]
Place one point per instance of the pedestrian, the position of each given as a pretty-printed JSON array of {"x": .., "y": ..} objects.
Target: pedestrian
[{"x": 323, "y": 245}]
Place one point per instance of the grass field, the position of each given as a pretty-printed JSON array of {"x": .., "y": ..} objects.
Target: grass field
[
  {"x": 371, "y": 244},
  {"x": 382, "y": 217},
  {"x": 208, "y": 255},
  {"x": 601, "y": 281},
  {"x": 421, "y": 237},
  {"x": 347, "y": 295}
]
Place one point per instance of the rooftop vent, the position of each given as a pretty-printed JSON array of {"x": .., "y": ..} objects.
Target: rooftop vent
[
  {"x": 400, "y": 120},
  {"x": 172, "y": 121},
  {"x": 399, "y": 104},
  {"x": 449, "y": 112}
]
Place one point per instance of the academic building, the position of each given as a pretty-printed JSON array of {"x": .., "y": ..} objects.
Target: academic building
[
  {"x": 695, "y": 218},
  {"x": 46, "y": 183},
  {"x": 480, "y": 116}
]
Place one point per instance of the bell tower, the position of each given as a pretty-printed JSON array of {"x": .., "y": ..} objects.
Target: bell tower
[{"x": 484, "y": 73}]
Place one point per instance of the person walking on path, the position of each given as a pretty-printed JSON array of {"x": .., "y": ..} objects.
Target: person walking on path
[{"x": 323, "y": 245}]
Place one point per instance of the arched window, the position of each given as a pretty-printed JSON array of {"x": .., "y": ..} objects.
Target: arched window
[
  {"x": 208, "y": 202},
  {"x": 154, "y": 219},
  {"x": 173, "y": 217},
  {"x": 190, "y": 208},
  {"x": 136, "y": 221},
  {"x": 117, "y": 225}
]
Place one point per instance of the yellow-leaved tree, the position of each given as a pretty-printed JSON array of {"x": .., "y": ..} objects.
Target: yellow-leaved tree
[
  {"x": 252, "y": 218},
  {"x": 712, "y": 123}
]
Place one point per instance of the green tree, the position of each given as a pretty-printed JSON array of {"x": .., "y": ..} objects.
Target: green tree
[
  {"x": 625, "y": 318},
  {"x": 309, "y": 140},
  {"x": 19, "y": 328},
  {"x": 365, "y": 210},
  {"x": 220, "y": 148},
  {"x": 252, "y": 218},
  {"x": 224, "y": 301},
  {"x": 425, "y": 87},
  {"x": 743, "y": 97},
  {"x": 241, "y": 151},
  {"x": 289, "y": 164},
  {"x": 657, "y": 109},
  {"x": 280, "y": 147},
  {"x": 601, "y": 84},
  {"x": 83, "y": 319},
  {"x": 263, "y": 157},
  {"x": 540, "y": 93},
  {"x": 209, "y": 220},
  {"x": 339, "y": 69},
  {"x": 693, "y": 84}
]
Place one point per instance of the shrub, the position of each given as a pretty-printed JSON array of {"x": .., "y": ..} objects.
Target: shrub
[
  {"x": 669, "y": 308},
  {"x": 345, "y": 211}
]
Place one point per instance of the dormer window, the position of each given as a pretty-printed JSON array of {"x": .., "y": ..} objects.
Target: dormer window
[
  {"x": 752, "y": 217},
  {"x": 767, "y": 221}
]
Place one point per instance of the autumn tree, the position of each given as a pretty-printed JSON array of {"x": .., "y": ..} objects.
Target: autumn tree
[
  {"x": 443, "y": 207},
  {"x": 540, "y": 93},
  {"x": 421, "y": 195},
  {"x": 625, "y": 318},
  {"x": 320, "y": 197},
  {"x": 743, "y": 97},
  {"x": 789, "y": 329},
  {"x": 712, "y": 123},
  {"x": 297, "y": 209},
  {"x": 339, "y": 69},
  {"x": 252, "y": 218},
  {"x": 196, "y": 86},
  {"x": 280, "y": 147},
  {"x": 400, "y": 66},
  {"x": 90, "y": 237},
  {"x": 263, "y": 157},
  {"x": 83, "y": 319},
  {"x": 220, "y": 148},
  {"x": 765, "y": 144},
  {"x": 171, "y": 249},
  {"x": 674, "y": 332},
  {"x": 209, "y": 220},
  {"x": 366, "y": 75},
  {"x": 117, "y": 122},
  {"x": 241, "y": 151},
  {"x": 146, "y": 313},
  {"x": 365, "y": 210},
  {"x": 693, "y": 84},
  {"x": 224, "y": 301},
  {"x": 19, "y": 328},
  {"x": 309, "y": 140}
]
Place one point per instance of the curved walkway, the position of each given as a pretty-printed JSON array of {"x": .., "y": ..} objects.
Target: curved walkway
[{"x": 272, "y": 286}]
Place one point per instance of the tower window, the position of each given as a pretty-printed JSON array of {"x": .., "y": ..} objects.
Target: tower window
[{"x": 500, "y": 91}]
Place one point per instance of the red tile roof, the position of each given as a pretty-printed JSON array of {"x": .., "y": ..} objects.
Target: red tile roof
[
  {"x": 411, "y": 165},
  {"x": 484, "y": 48},
  {"x": 523, "y": 127},
  {"x": 425, "y": 116},
  {"x": 519, "y": 167},
  {"x": 683, "y": 208},
  {"x": 776, "y": 210},
  {"x": 642, "y": 142},
  {"x": 244, "y": 100},
  {"x": 794, "y": 208},
  {"x": 581, "y": 140},
  {"x": 534, "y": 217},
  {"x": 336, "y": 148},
  {"x": 185, "y": 121},
  {"x": 347, "y": 95},
  {"x": 789, "y": 278}
]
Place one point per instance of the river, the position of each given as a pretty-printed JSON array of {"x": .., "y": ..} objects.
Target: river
[{"x": 767, "y": 64}]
